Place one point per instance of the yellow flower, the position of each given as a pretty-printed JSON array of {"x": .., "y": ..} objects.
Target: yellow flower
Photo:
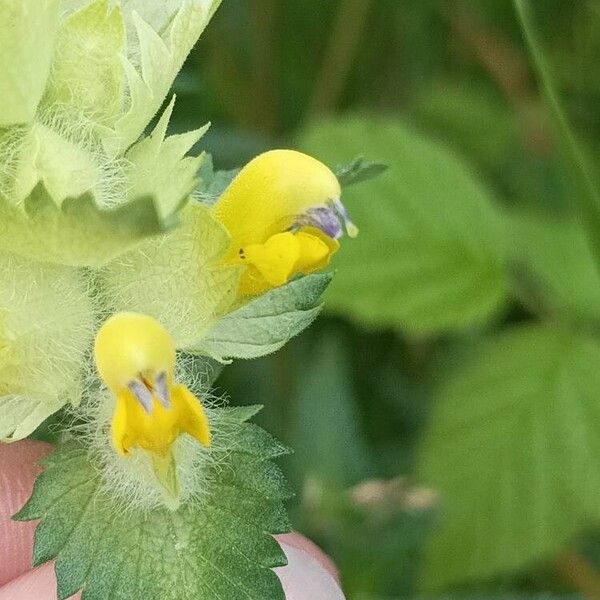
[
  {"x": 135, "y": 357},
  {"x": 283, "y": 214}
]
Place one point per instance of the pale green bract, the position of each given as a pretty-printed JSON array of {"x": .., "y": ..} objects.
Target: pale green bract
[
  {"x": 83, "y": 82},
  {"x": 28, "y": 29},
  {"x": 216, "y": 547},
  {"x": 46, "y": 324},
  {"x": 178, "y": 279}
]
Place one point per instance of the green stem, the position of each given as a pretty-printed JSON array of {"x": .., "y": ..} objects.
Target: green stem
[{"x": 586, "y": 197}]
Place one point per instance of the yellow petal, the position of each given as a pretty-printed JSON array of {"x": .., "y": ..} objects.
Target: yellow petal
[
  {"x": 191, "y": 415},
  {"x": 270, "y": 192},
  {"x": 276, "y": 259},
  {"x": 316, "y": 250},
  {"x": 134, "y": 427},
  {"x": 128, "y": 344}
]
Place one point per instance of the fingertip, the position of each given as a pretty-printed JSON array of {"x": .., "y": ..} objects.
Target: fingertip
[
  {"x": 18, "y": 470},
  {"x": 301, "y": 542},
  {"x": 305, "y": 577},
  {"x": 37, "y": 584}
]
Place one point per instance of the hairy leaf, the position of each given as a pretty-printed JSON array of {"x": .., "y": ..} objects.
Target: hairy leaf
[
  {"x": 430, "y": 256},
  {"x": 178, "y": 278},
  {"x": 267, "y": 323},
  {"x": 28, "y": 34},
  {"x": 161, "y": 56},
  {"x": 87, "y": 72},
  {"x": 79, "y": 233},
  {"x": 46, "y": 322},
  {"x": 513, "y": 449},
  {"x": 218, "y": 547},
  {"x": 157, "y": 165}
]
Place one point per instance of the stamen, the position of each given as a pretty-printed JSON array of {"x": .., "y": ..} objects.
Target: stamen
[
  {"x": 351, "y": 228},
  {"x": 162, "y": 390},
  {"x": 142, "y": 394}
]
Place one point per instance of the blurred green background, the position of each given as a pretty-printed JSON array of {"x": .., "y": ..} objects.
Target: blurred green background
[{"x": 445, "y": 408}]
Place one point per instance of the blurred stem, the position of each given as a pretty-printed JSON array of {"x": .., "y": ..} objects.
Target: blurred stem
[
  {"x": 509, "y": 69},
  {"x": 264, "y": 64},
  {"x": 586, "y": 197},
  {"x": 579, "y": 573},
  {"x": 340, "y": 54}
]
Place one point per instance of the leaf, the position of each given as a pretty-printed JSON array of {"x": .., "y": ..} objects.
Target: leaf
[
  {"x": 46, "y": 322},
  {"x": 213, "y": 183},
  {"x": 158, "y": 167},
  {"x": 179, "y": 279},
  {"x": 555, "y": 261},
  {"x": 267, "y": 323},
  {"x": 28, "y": 30},
  {"x": 161, "y": 56},
  {"x": 358, "y": 170},
  {"x": 79, "y": 233},
  {"x": 87, "y": 71},
  {"x": 218, "y": 547},
  {"x": 513, "y": 449},
  {"x": 430, "y": 256}
]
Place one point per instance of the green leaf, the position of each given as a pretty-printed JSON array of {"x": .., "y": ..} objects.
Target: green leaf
[
  {"x": 87, "y": 71},
  {"x": 179, "y": 279},
  {"x": 217, "y": 547},
  {"x": 358, "y": 170},
  {"x": 46, "y": 322},
  {"x": 513, "y": 449},
  {"x": 555, "y": 265},
  {"x": 79, "y": 233},
  {"x": 267, "y": 323},
  {"x": 430, "y": 256},
  {"x": 27, "y": 35},
  {"x": 213, "y": 183}
]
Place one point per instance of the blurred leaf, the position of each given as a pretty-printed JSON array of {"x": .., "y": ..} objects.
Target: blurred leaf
[
  {"x": 431, "y": 253},
  {"x": 555, "y": 256},
  {"x": 358, "y": 170},
  {"x": 330, "y": 449},
  {"x": 265, "y": 324},
  {"x": 513, "y": 449},
  {"x": 458, "y": 113}
]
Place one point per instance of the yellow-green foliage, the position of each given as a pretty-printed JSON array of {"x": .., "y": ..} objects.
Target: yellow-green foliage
[
  {"x": 177, "y": 279},
  {"x": 46, "y": 325},
  {"x": 79, "y": 186}
]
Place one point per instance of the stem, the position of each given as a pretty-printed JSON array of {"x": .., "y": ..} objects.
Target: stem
[
  {"x": 587, "y": 198},
  {"x": 578, "y": 572},
  {"x": 341, "y": 51}
]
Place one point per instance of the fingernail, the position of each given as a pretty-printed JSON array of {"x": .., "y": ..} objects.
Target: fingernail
[{"x": 304, "y": 578}]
